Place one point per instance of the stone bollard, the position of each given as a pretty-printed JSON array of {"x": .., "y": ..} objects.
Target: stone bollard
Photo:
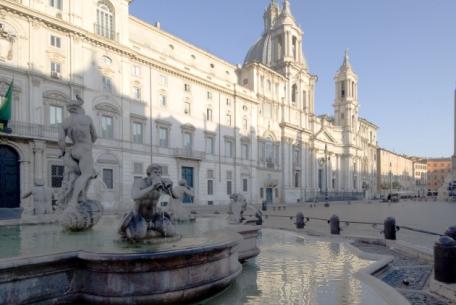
[
  {"x": 300, "y": 220},
  {"x": 445, "y": 260},
  {"x": 334, "y": 223},
  {"x": 259, "y": 217},
  {"x": 264, "y": 206},
  {"x": 389, "y": 228},
  {"x": 451, "y": 232}
]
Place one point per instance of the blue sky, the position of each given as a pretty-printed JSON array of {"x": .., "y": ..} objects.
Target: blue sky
[{"x": 402, "y": 50}]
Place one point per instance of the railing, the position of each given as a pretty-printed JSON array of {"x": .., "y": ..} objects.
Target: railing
[
  {"x": 104, "y": 31},
  {"x": 31, "y": 130},
  {"x": 348, "y": 222},
  {"x": 335, "y": 196},
  {"x": 188, "y": 154}
]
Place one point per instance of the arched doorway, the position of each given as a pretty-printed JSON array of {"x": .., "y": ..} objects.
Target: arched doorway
[{"x": 9, "y": 178}]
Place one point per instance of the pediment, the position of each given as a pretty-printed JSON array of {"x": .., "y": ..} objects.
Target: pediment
[{"x": 325, "y": 136}]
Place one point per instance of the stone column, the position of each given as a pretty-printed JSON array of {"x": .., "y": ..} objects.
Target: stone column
[{"x": 38, "y": 160}]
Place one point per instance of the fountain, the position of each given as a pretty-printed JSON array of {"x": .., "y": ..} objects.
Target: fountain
[{"x": 149, "y": 260}]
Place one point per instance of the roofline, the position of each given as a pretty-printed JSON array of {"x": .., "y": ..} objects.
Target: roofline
[
  {"x": 369, "y": 123},
  {"x": 180, "y": 40},
  {"x": 262, "y": 66},
  {"x": 394, "y": 153}
]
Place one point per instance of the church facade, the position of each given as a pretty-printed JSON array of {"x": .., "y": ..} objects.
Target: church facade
[{"x": 155, "y": 98}]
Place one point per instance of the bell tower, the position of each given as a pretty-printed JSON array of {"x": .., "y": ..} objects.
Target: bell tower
[
  {"x": 287, "y": 39},
  {"x": 346, "y": 106}
]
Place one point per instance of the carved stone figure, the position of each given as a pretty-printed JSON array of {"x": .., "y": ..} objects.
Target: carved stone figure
[
  {"x": 242, "y": 212},
  {"x": 80, "y": 213},
  {"x": 175, "y": 209},
  {"x": 41, "y": 198},
  {"x": 145, "y": 220}
]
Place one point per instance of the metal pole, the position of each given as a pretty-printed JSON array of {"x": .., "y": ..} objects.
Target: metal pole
[
  {"x": 326, "y": 173},
  {"x": 391, "y": 180}
]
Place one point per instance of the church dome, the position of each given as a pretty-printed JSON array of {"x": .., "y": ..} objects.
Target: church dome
[{"x": 261, "y": 51}]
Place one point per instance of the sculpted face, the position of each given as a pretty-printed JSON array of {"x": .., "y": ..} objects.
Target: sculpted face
[{"x": 154, "y": 170}]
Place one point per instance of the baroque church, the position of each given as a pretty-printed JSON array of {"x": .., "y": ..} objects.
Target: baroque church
[{"x": 155, "y": 98}]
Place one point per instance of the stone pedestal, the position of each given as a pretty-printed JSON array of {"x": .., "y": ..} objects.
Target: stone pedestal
[{"x": 82, "y": 217}]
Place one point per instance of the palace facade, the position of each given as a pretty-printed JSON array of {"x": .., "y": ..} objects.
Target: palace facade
[{"x": 155, "y": 98}]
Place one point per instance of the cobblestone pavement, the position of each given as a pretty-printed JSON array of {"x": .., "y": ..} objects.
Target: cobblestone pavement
[{"x": 410, "y": 276}]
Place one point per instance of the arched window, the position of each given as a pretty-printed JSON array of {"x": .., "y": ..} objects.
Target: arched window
[
  {"x": 294, "y": 93},
  {"x": 294, "y": 47},
  {"x": 105, "y": 21},
  {"x": 269, "y": 150},
  {"x": 279, "y": 48}
]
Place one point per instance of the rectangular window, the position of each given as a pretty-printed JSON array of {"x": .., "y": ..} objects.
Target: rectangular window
[
  {"x": 108, "y": 178},
  {"x": 163, "y": 100},
  {"x": 245, "y": 151},
  {"x": 163, "y": 135},
  {"x": 136, "y": 70},
  {"x": 245, "y": 124},
  {"x": 261, "y": 192},
  {"x": 210, "y": 145},
  {"x": 210, "y": 187},
  {"x": 137, "y": 132},
  {"x": 187, "y": 88},
  {"x": 187, "y": 138},
  {"x": 210, "y": 174},
  {"x": 209, "y": 114},
  {"x": 56, "y": 67},
  {"x": 56, "y": 176},
  {"x": 55, "y": 115},
  {"x": 296, "y": 179},
  {"x": 245, "y": 185},
  {"x": 228, "y": 120},
  {"x": 296, "y": 157},
  {"x": 187, "y": 108},
  {"x": 55, "y": 41},
  {"x": 228, "y": 102},
  {"x": 163, "y": 80},
  {"x": 107, "y": 84},
  {"x": 56, "y": 4},
  {"x": 164, "y": 170},
  {"x": 228, "y": 187},
  {"x": 107, "y": 127},
  {"x": 137, "y": 168},
  {"x": 228, "y": 149},
  {"x": 210, "y": 202},
  {"x": 209, "y": 95},
  {"x": 136, "y": 91}
]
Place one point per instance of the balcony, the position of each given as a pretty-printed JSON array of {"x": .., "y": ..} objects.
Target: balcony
[
  {"x": 189, "y": 154},
  {"x": 32, "y": 131}
]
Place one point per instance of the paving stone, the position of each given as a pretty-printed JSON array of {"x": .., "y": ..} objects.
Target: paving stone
[
  {"x": 422, "y": 298},
  {"x": 416, "y": 277}
]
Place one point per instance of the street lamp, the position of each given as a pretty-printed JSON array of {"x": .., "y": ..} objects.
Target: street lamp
[
  {"x": 391, "y": 180},
  {"x": 325, "y": 161}
]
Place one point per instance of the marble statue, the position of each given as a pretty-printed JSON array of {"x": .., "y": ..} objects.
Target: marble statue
[
  {"x": 242, "y": 212},
  {"x": 175, "y": 208},
  {"x": 145, "y": 221},
  {"x": 41, "y": 198},
  {"x": 79, "y": 212}
]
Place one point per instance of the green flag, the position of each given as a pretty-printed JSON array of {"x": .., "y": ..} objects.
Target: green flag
[{"x": 5, "y": 104}]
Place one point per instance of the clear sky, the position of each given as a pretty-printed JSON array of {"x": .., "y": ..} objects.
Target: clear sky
[{"x": 402, "y": 50}]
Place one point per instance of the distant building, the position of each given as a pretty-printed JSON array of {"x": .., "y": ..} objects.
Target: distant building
[
  {"x": 420, "y": 174},
  {"x": 395, "y": 172},
  {"x": 438, "y": 170}
]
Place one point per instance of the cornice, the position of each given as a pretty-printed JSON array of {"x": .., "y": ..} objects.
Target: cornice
[{"x": 73, "y": 31}]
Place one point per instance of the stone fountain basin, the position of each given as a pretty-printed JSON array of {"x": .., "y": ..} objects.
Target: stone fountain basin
[{"x": 176, "y": 272}]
